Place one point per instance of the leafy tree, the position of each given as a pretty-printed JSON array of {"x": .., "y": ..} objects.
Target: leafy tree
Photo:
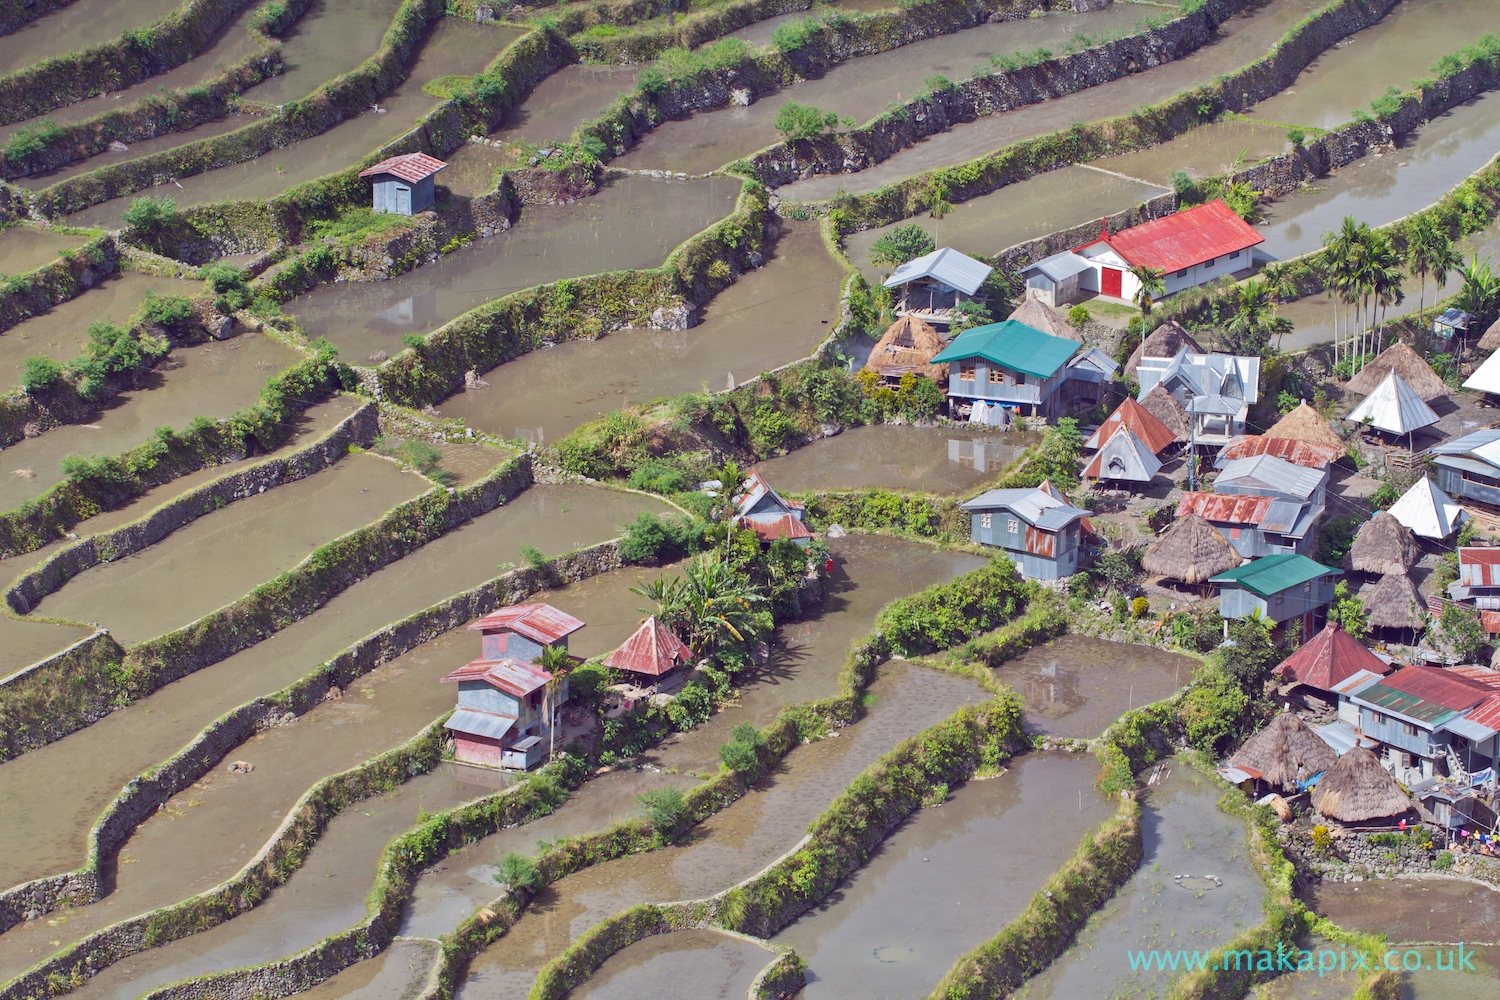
[
  {"x": 900, "y": 245},
  {"x": 519, "y": 872},
  {"x": 1250, "y": 655},
  {"x": 709, "y": 605},
  {"x": 803, "y": 121},
  {"x": 1119, "y": 568},
  {"x": 1461, "y": 628},
  {"x": 1058, "y": 458},
  {"x": 664, "y": 807},
  {"x": 1183, "y": 184},
  {"x": 739, "y": 754},
  {"x": 1348, "y": 611},
  {"x": 151, "y": 215},
  {"x": 1254, "y": 320},
  {"x": 969, "y": 313},
  {"x": 40, "y": 373},
  {"x": 1429, "y": 251},
  {"x": 1481, "y": 289}
]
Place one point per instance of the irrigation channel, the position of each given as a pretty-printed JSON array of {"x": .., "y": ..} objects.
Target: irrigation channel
[{"x": 944, "y": 880}]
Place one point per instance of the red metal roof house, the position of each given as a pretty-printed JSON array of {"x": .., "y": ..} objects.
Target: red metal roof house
[
  {"x": 404, "y": 184},
  {"x": 1192, "y": 247},
  {"x": 653, "y": 654},
  {"x": 762, "y": 510},
  {"x": 505, "y": 712},
  {"x": 1328, "y": 659}
]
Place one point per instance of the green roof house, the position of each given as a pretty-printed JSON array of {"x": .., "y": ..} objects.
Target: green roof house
[
  {"x": 1012, "y": 364},
  {"x": 1283, "y": 588}
]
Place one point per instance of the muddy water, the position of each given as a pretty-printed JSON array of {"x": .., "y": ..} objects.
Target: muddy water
[
  {"x": 773, "y": 315},
  {"x": 61, "y": 333},
  {"x": 1242, "y": 40},
  {"x": 25, "y": 248},
  {"x": 861, "y": 88},
  {"x": 330, "y": 39},
  {"x": 23, "y": 643},
  {"x": 728, "y": 847},
  {"x": 1076, "y": 686},
  {"x": 1215, "y": 148},
  {"x": 230, "y": 46},
  {"x": 398, "y": 973},
  {"x": 224, "y": 555},
  {"x": 633, "y": 223},
  {"x": 1412, "y": 909},
  {"x": 759, "y": 33},
  {"x": 213, "y": 380},
  {"x": 1483, "y": 980},
  {"x": 1184, "y": 834},
  {"x": 33, "y": 809},
  {"x": 930, "y": 459},
  {"x": 1032, "y": 208},
  {"x": 1330, "y": 985},
  {"x": 948, "y": 880},
  {"x": 1383, "y": 188},
  {"x": 453, "y": 46},
  {"x": 685, "y": 964},
  {"x": 563, "y": 101},
  {"x": 1401, "y": 48},
  {"x": 326, "y": 895},
  {"x": 78, "y": 26}
]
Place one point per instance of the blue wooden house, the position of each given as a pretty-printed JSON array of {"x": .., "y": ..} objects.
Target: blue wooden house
[
  {"x": 1040, "y": 532},
  {"x": 1009, "y": 363},
  {"x": 403, "y": 185},
  {"x": 506, "y": 702},
  {"x": 1283, "y": 588},
  {"x": 1430, "y": 721}
]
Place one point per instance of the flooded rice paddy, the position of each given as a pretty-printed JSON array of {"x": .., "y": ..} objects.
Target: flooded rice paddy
[
  {"x": 1216, "y": 148},
  {"x": 632, "y": 223},
  {"x": 331, "y": 38},
  {"x": 1242, "y": 39},
  {"x": 1185, "y": 834},
  {"x": 78, "y": 26},
  {"x": 948, "y": 879},
  {"x": 928, "y": 459},
  {"x": 25, "y": 248},
  {"x": 728, "y": 847},
  {"x": 23, "y": 643},
  {"x": 687, "y": 963},
  {"x": 861, "y": 88},
  {"x": 211, "y": 380},
  {"x": 225, "y": 554},
  {"x": 1076, "y": 686},
  {"x": 564, "y": 100},
  {"x": 769, "y": 317},
  {"x": 50, "y": 797},
  {"x": 398, "y": 973}
]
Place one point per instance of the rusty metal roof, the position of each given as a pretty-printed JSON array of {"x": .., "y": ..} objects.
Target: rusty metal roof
[
  {"x": 653, "y": 650},
  {"x": 538, "y": 622},
  {"x": 1432, "y": 685},
  {"x": 1152, "y": 432},
  {"x": 1308, "y": 454},
  {"x": 472, "y": 722},
  {"x": 410, "y": 167},
  {"x": 1329, "y": 658},
  {"x": 768, "y": 529},
  {"x": 1479, "y": 566},
  {"x": 1225, "y": 508},
  {"x": 510, "y": 676}
]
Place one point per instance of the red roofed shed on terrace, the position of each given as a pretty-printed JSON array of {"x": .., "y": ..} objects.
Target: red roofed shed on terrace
[
  {"x": 1329, "y": 658},
  {"x": 1191, "y": 248},
  {"x": 653, "y": 654},
  {"x": 404, "y": 184}
]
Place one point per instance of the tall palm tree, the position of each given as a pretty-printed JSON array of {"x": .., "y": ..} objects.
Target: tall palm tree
[
  {"x": 1429, "y": 251},
  {"x": 1340, "y": 252},
  {"x": 1384, "y": 278},
  {"x": 1250, "y": 327},
  {"x": 1278, "y": 281},
  {"x": 556, "y": 661},
  {"x": 1480, "y": 293},
  {"x": 1153, "y": 284}
]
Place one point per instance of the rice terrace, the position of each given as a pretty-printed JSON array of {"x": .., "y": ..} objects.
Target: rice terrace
[{"x": 783, "y": 499}]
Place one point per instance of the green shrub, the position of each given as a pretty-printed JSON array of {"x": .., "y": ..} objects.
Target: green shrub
[
  {"x": 901, "y": 244},
  {"x": 40, "y": 373},
  {"x": 1296, "y": 137},
  {"x": 535, "y": 557},
  {"x": 1443, "y": 861},
  {"x": 1079, "y": 315},
  {"x": 741, "y": 752},
  {"x": 170, "y": 311},
  {"x": 587, "y": 683},
  {"x": 650, "y": 537},
  {"x": 664, "y": 807},
  {"x": 227, "y": 283},
  {"x": 803, "y": 121},
  {"x": 31, "y": 139},
  {"x": 152, "y": 215},
  {"x": 789, "y": 36},
  {"x": 519, "y": 872}
]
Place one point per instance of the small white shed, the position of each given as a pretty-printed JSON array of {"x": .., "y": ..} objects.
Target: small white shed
[
  {"x": 403, "y": 184},
  {"x": 1055, "y": 280}
]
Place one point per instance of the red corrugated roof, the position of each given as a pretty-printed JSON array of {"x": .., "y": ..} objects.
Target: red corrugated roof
[
  {"x": 519, "y": 679},
  {"x": 1186, "y": 238},
  {"x": 1153, "y": 433},
  {"x": 652, "y": 650},
  {"x": 538, "y": 622},
  {"x": 1226, "y": 508},
  {"x": 1447, "y": 688},
  {"x": 1328, "y": 658},
  {"x": 770, "y": 529},
  {"x": 1308, "y": 454},
  {"x": 410, "y": 167},
  {"x": 1479, "y": 567},
  {"x": 1484, "y": 675},
  {"x": 1490, "y": 620},
  {"x": 1487, "y": 714}
]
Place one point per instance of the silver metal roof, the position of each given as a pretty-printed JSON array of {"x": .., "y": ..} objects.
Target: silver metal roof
[
  {"x": 946, "y": 265},
  {"x": 1061, "y": 266},
  {"x": 1281, "y": 516},
  {"x": 1202, "y": 375},
  {"x": 485, "y": 724},
  {"x": 1486, "y": 377},
  {"x": 1031, "y": 505},
  {"x": 1394, "y": 407},
  {"x": 1272, "y": 473},
  {"x": 1215, "y": 405}
]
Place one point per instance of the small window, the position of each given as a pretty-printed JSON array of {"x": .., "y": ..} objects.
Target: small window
[
  {"x": 1182, "y": 273},
  {"x": 1406, "y": 760},
  {"x": 1307, "y": 587},
  {"x": 1233, "y": 255},
  {"x": 966, "y": 371},
  {"x": 1208, "y": 263},
  {"x": 996, "y": 375},
  {"x": 1279, "y": 599},
  {"x": 1013, "y": 526},
  {"x": 1408, "y": 729},
  {"x": 1020, "y": 379},
  {"x": 986, "y": 521},
  {"x": 1380, "y": 718}
]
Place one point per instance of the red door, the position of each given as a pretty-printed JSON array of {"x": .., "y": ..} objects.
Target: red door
[{"x": 1109, "y": 281}]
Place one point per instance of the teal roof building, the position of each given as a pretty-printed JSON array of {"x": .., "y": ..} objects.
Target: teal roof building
[{"x": 1009, "y": 363}]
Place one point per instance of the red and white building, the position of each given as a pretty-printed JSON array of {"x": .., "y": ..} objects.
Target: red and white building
[{"x": 1192, "y": 248}]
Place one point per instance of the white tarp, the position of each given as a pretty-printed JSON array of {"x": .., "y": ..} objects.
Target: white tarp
[
  {"x": 1428, "y": 511},
  {"x": 1394, "y": 407}
]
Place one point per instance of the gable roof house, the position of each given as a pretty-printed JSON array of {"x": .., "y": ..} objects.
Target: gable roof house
[
  {"x": 505, "y": 713},
  {"x": 1269, "y": 476},
  {"x": 1419, "y": 713},
  {"x": 1124, "y": 458},
  {"x": 1042, "y": 534},
  {"x": 1056, "y": 280},
  {"x": 1478, "y": 577},
  {"x": 1255, "y": 525},
  {"x": 1008, "y": 363},
  {"x": 1224, "y": 387},
  {"x": 1328, "y": 659},
  {"x": 1430, "y": 512},
  {"x": 908, "y": 345},
  {"x": 934, "y": 283},
  {"x": 653, "y": 656},
  {"x": 760, "y": 509},
  {"x": 1192, "y": 247},
  {"x": 1308, "y": 454},
  {"x": 404, "y": 185},
  {"x": 1468, "y": 467},
  {"x": 1283, "y": 588},
  {"x": 1151, "y": 432}
]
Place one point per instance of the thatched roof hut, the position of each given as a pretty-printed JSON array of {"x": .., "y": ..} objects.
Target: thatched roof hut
[
  {"x": 1162, "y": 405},
  {"x": 1357, "y": 789},
  {"x": 1163, "y": 342},
  {"x": 1285, "y": 752},
  {"x": 1040, "y": 316},
  {"x": 1405, "y": 362},
  {"x": 1395, "y": 603},
  {"x": 1192, "y": 551},
  {"x": 1491, "y": 339},
  {"x": 909, "y": 343},
  {"x": 1383, "y": 545},
  {"x": 1304, "y": 424}
]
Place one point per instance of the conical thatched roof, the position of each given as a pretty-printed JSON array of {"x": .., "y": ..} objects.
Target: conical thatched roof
[
  {"x": 1163, "y": 342},
  {"x": 1491, "y": 339},
  {"x": 1285, "y": 752},
  {"x": 1192, "y": 550},
  {"x": 1383, "y": 545},
  {"x": 1162, "y": 405},
  {"x": 1357, "y": 788},
  {"x": 909, "y": 341},
  {"x": 1405, "y": 362},
  {"x": 1304, "y": 424},
  {"x": 1040, "y": 316},
  {"x": 1395, "y": 603}
]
